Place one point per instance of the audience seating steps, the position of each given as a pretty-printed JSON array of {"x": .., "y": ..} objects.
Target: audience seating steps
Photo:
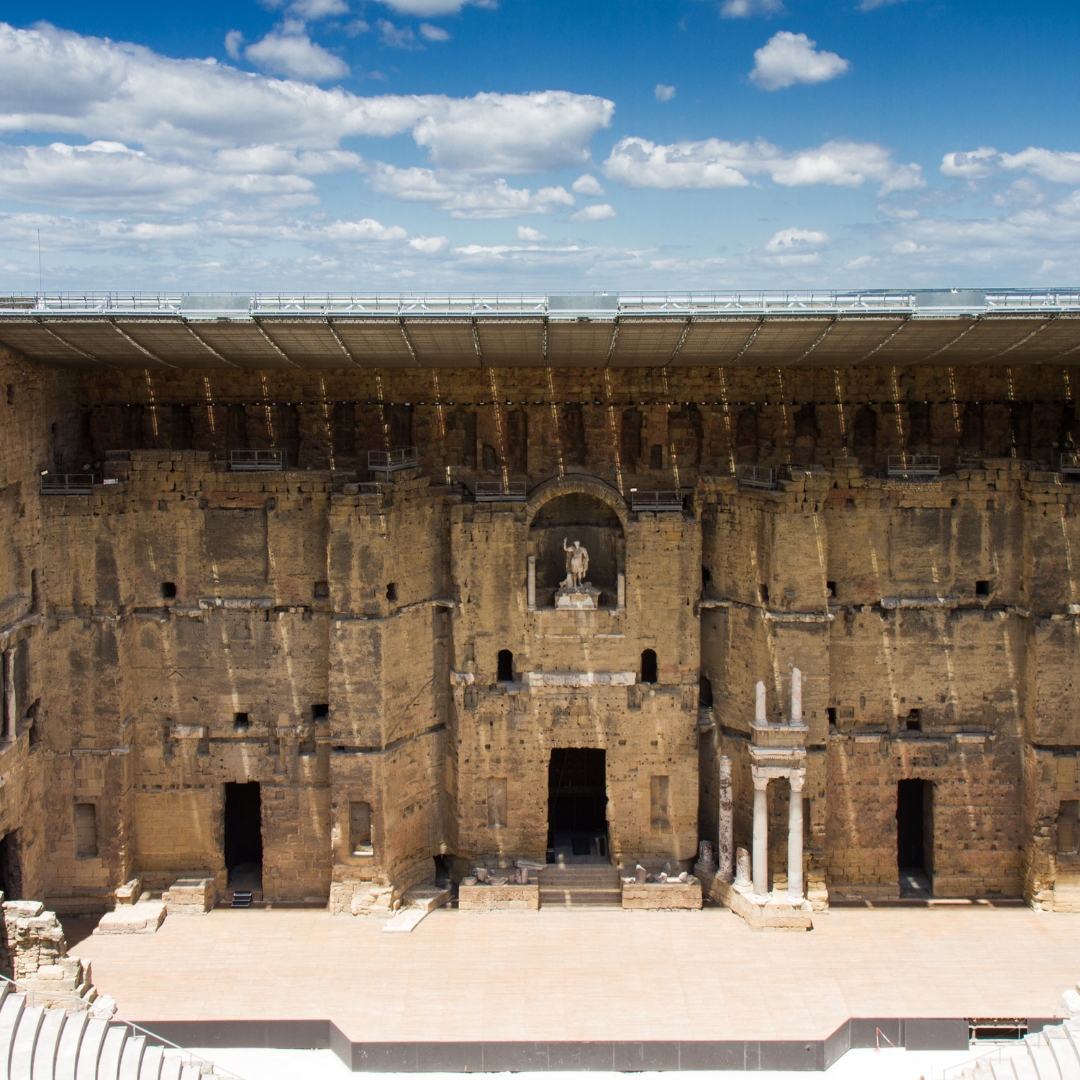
[
  {"x": 1050, "y": 1054},
  {"x": 46, "y": 1042},
  {"x": 579, "y": 886}
]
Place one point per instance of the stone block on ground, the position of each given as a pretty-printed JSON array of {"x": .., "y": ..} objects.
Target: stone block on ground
[
  {"x": 499, "y": 898},
  {"x": 370, "y": 899},
  {"x": 425, "y": 897},
  {"x": 142, "y": 918},
  {"x": 662, "y": 896},
  {"x": 405, "y": 921},
  {"x": 191, "y": 896}
]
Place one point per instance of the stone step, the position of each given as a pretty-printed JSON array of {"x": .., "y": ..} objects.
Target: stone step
[
  {"x": 131, "y": 1061},
  {"x": 48, "y": 1042},
  {"x": 10, "y": 1012},
  {"x": 580, "y": 897},
  {"x": 151, "y": 1063},
  {"x": 574, "y": 875},
  {"x": 90, "y": 1049},
  {"x": 171, "y": 1066},
  {"x": 67, "y": 1054},
  {"x": 112, "y": 1050}
]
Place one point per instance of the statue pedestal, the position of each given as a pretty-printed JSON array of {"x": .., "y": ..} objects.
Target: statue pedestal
[{"x": 584, "y": 597}]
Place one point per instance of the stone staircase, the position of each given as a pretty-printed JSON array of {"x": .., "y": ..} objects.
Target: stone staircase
[
  {"x": 48, "y": 1042},
  {"x": 579, "y": 886},
  {"x": 1050, "y": 1054}
]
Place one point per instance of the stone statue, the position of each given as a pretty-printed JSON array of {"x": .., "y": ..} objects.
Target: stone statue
[{"x": 577, "y": 564}]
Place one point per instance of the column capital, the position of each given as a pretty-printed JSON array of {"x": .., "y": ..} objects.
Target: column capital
[
  {"x": 760, "y": 782},
  {"x": 797, "y": 780}
]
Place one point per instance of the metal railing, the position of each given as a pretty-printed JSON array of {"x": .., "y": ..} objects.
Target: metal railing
[
  {"x": 67, "y": 483},
  {"x": 257, "y": 460},
  {"x": 914, "y": 466},
  {"x": 388, "y": 461},
  {"x": 75, "y": 1003},
  {"x": 1070, "y": 465},
  {"x": 656, "y": 500},
  {"x": 756, "y": 476},
  {"x": 920, "y": 303},
  {"x": 511, "y": 491}
]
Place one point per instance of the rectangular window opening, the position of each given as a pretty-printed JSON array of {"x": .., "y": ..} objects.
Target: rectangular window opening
[
  {"x": 1068, "y": 832},
  {"x": 320, "y": 712},
  {"x": 982, "y": 589},
  {"x": 241, "y": 721},
  {"x": 360, "y": 828},
  {"x": 86, "y": 834}
]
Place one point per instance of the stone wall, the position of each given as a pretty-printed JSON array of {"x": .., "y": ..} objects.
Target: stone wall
[{"x": 357, "y": 630}]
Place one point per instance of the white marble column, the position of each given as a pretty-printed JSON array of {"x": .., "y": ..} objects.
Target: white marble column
[
  {"x": 531, "y": 579},
  {"x": 761, "y": 837},
  {"x": 794, "y": 838},
  {"x": 759, "y": 703},
  {"x": 725, "y": 848},
  {"x": 9, "y": 693},
  {"x": 796, "y": 696}
]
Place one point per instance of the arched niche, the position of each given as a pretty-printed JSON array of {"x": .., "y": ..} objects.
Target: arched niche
[{"x": 577, "y": 510}]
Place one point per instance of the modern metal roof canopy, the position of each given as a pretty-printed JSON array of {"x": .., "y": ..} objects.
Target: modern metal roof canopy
[{"x": 757, "y": 329}]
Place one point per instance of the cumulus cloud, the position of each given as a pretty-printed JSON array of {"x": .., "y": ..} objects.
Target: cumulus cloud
[
  {"x": 312, "y": 10},
  {"x": 233, "y": 40},
  {"x": 462, "y": 196},
  {"x": 295, "y": 55},
  {"x": 744, "y": 9},
  {"x": 787, "y": 58},
  {"x": 427, "y": 8},
  {"x": 395, "y": 37},
  {"x": 870, "y": 5},
  {"x": 715, "y": 164},
  {"x": 597, "y": 212},
  {"x": 429, "y": 245},
  {"x": 1056, "y": 166},
  {"x": 587, "y": 185},
  {"x": 61, "y": 82},
  {"x": 663, "y": 93},
  {"x": 532, "y": 236},
  {"x": 433, "y": 33}
]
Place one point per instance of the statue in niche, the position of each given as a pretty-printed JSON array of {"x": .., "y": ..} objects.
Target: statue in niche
[
  {"x": 575, "y": 593},
  {"x": 577, "y": 564}
]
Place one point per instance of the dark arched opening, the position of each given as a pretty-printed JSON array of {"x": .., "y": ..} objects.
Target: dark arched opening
[
  {"x": 506, "y": 666},
  {"x": 648, "y": 666},
  {"x": 704, "y": 693}
]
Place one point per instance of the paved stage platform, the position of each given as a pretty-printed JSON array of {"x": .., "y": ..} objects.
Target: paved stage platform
[{"x": 602, "y": 974}]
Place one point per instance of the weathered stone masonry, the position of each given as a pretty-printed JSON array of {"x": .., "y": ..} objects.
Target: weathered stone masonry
[{"x": 357, "y": 632}]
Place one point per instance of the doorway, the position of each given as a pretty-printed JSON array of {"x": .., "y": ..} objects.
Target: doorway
[
  {"x": 243, "y": 836},
  {"x": 915, "y": 836},
  {"x": 11, "y": 866},
  {"x": 577, "y": 806}
]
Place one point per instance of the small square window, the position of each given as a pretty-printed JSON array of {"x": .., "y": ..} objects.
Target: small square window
[
  {"x": 322, "y": 590},
  {"x": 831, "y": 714},
  {"x": 86, "y": 838},
  {"x": 982, "y": 589},
  {"x": 168, "y": 590},
  {"x": 241, "y": 721},
  {"x": 320, "y": 712},
  {"x": 914, "y": 721},
  {"x": 830, "y": 588}
]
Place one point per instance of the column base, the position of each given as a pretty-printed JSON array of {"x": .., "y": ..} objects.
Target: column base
[{"x": 773, "y": 912}]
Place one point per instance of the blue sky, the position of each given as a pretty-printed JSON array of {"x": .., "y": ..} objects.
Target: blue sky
[{"x": 518, "y": 145}]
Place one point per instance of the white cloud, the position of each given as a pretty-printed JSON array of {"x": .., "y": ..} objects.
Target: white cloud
[
  {"x": 532, "y": 236},
  {"x": 518, "y": 133},
  {"x": 663, "y": 93},
  {"x": 297, "y": 56},
  {"x": 796, "y": 239},
  {"x": 427, "y": 8},
  {"x": 312, "y": 10},
  {"x": 870, "y": 5},
  {"x": 970, "y": 164},
  {"x": 596, "y": 212},
  {"x": 1056, "y": 166},
  {"x": 395, "y": 37},
  {"x": 787, "y": 58},
  {"x": 233, "y": 40},
  {"x": 744, "y": 9},
  {"x": 587, "y": 185},
  {"x": 433, "y": 33},
  {"x": 462, "y": 196},
  {"x": 61, "y": 82},
  {"x": 429, "y": 245},
  {"x": 717, "y": 164}
]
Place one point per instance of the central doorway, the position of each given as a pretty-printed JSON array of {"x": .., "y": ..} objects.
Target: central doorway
[
  {"x": 915, "y": 836},
  {"x": 577, "y": 805},
  {"x": 243, "y": 836}
]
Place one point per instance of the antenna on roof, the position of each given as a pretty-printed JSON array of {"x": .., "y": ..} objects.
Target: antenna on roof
[{"x": 39, "y": 289}]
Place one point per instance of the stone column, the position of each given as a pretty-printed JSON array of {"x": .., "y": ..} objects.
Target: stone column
[
  {"x": 761, "y": 836},
  {"x": 532, "y": 582},
  {"x": 9, "y": 693},
  {"x": 759, "y": 703},
  {"x": 794, "y": 839},
  {"x": 620, "y": 594},
  {"x": 796, "y": 696},
  {"x": 725, "y": 848}
]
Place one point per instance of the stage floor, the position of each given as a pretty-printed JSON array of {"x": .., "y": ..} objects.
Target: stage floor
[{"x": 598, "y": 974}]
